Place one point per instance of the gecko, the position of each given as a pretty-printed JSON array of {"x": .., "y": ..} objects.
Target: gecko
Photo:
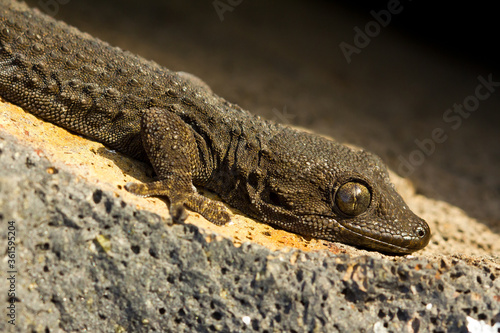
[{"x": 295, "y": 180}]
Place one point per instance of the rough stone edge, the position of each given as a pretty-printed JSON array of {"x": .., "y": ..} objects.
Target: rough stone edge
[{"x": 309, "y": 291}]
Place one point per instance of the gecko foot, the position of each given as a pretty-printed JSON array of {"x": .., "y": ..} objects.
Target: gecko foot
[{"x": 213, "y": 211}]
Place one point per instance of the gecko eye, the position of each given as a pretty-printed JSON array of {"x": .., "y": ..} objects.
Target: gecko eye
[{"x": 353, "y": 198}]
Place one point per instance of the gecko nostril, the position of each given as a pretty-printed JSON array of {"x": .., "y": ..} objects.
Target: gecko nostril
[{"x": 421, "y": 232}]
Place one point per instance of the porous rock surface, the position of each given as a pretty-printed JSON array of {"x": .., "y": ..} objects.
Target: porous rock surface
[{"x": 88, "y": 261}]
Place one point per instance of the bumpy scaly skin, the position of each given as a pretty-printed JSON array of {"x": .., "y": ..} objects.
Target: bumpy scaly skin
[{"x": 277, "y": 174}]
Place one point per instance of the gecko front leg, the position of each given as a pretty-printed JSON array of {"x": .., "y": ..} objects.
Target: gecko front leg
[{"x": 171, "y": 148}]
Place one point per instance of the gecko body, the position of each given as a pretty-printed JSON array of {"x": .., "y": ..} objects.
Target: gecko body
[{"x": 282, "y": 176}]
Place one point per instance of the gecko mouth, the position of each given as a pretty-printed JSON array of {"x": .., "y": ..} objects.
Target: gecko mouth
[
  {"x": 356, "y": 238},
  {"x": 374, "y": 243},
  {"x": 353, "y": 237},
  {"x": 334, "y": 230}
]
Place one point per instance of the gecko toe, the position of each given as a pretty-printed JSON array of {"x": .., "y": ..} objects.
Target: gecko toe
[
  {"x": 178, "y": 213},
  {"x": 136, "y": 188}
]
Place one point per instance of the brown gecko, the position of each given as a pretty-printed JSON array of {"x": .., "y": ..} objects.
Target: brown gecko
[{"x": 282, "y": 176}]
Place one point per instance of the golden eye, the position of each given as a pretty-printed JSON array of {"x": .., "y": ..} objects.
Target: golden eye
[{"x": 353, "y": 198}]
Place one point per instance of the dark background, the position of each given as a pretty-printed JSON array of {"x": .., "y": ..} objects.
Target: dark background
[{"x": 467, "y": 29}]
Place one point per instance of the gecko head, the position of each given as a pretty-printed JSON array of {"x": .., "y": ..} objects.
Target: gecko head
[
  {"x": 373, "y": 215},
  {"x": 333, "y": 192}
]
